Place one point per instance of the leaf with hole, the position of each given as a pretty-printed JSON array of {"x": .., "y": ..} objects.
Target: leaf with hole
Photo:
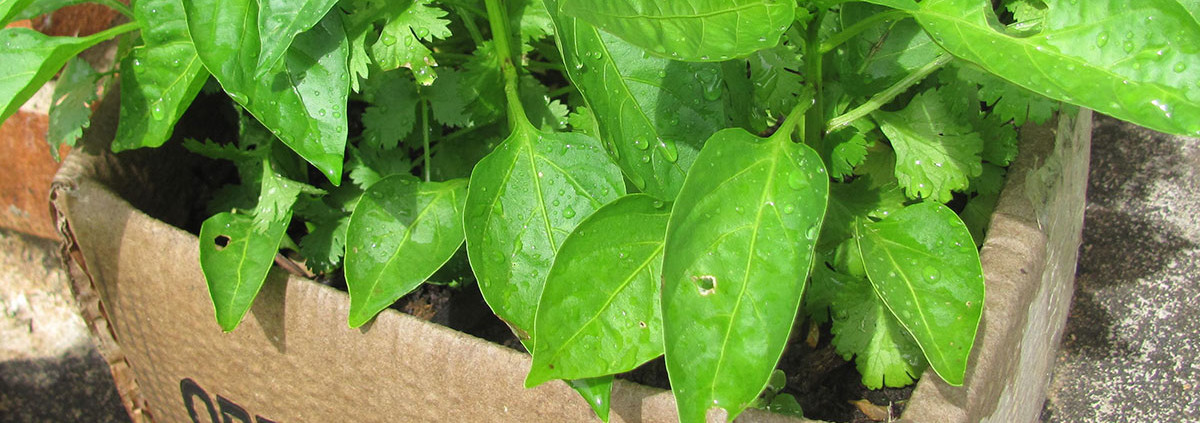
[
  {"x": 235, "y": 259},
  {"x": 690, "y": 30},
  {"x": 923, "y": 264},
  {"x": 738, "y": 250},
  {"x": 1136, "y": 61},
  {"x": 401, "y": 232},
  {"x": 599, "y": 310}
]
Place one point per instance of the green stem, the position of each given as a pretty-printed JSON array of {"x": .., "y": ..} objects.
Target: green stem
[
  {"x": 118, "y": 6},
  {"x": 114, "y": 31},
  {"x": 885, "y": 96},
  {"x": 469, "y": 22},
  {"x": 796, "y": 117},
  {"x": 859, "y": 27},
  {"x": 561, "y": 91},
  {"x": 425, "y": 135},
  {"x": 501, "y": 39},
  {"x": 815, "y": 117}
]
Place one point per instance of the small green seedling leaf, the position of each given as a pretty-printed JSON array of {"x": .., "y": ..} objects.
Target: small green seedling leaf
[
  {"x": 302, "y": 98},
  {"x": 69, "y": 112},
  {"x": 653, "y": 114},
  {"x": 925, "y": 267},
  {"x": 1136, "y": 61},
  {"x": 401, "y": 232},
  {"x": 160, "y": 78},
  {"x": 599, "y": 310},
  {"x": 279, "y": 22},
  {"x": 29, "y": 59},
  {"x": 690, "y": 30},
  {"x": 235, "y": 259},
  {"x": 738, "y": 250},
  {"x": 523, "y": 200}
]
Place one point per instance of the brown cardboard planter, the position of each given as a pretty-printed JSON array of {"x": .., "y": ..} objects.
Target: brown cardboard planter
[{"x": 293, "y": 359}]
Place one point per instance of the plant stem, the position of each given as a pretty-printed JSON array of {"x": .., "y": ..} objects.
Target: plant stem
[
  {"x": 119, "y": 7},
  {"x": 425, "y": 135},
  {"x": 470, "y": 24},
  {"x": 796, "y": 117},
  {"x": 501, "y": 40},
  {"x": 114, "y": 31},
  {"x": 859, "y": 27},
  {"x": 883, "y": 97},
  {"x": 814, "y": 119}
]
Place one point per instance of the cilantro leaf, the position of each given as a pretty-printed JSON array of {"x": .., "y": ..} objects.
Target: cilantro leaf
[
  {"x": 400, "y": 40},
  {"x": 843, "y": 150},
  {"x": 328, "y": 217},
  {"x": 544, "y": 113},
  {"x": 884, "y": 352},
  {"x": 531, "y": 19},
  {"x": 392, "y": 113},
  {"x": 825, "y": 285},
  {"x": 582, "y": 120},
  {"x": 482, "y": 87},
  {"x": 445, "y": 101},
  {"x": 276, "y": 196},
  {"x": 69, "y": 112},
  {"x": 775, "y": 74},
  {"x": 368, "y": 164},
  {"x": 937, "y": 150}
]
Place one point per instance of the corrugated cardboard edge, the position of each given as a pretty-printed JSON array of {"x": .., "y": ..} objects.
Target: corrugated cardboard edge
[
  {"x": 1029, "y": 264},
  {"x": 293, "y": 358}
]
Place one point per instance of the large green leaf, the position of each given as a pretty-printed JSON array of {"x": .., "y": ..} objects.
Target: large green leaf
[
  {"x": 29, "y": 59},
  {"x": 1137, "y": 61},
  {"x": 160, "y": 78},
  {"x": 301, "y": 99},
  {"x": 523, "y": 200},
  {"x": 235, "y": 258},
  {"x": 279, "y": 22},
  {"x": 599, "y": 311},
  {"x": 652, "y": 114},
  {"x": 400, "y": 233},
  {"x": 738, "y": 250},
  {"x": 10, "y": 8},
  {"x": 924, "y": 265},
  {"x": 692, "y": 30}
]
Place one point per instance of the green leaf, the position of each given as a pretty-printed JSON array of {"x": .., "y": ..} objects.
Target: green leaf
[
  {"x": 368, "y": 165},
  {"x": 924, "y": 266},
  {"x": 235, "y": 259},
  {"x": 844, "y": 149},
  {"x": 599, "y": 310},
  {"x": 393, "y": 110},
  {"x": 778, "y": 84},
  {"x": 861, "y": 198},
  {"x": 159, "y": 79},
  {"x": 1136, "y": 61},
  {"x": 279, "y": 22},
  {"x": 690, "y": 30},
  {"x": 276, "y": 196},
  {"x": 651, "y": 113},
  {"x": 739, "y": 247},
  {"x": 863, "y": 328},
  {"x": 596, "y": 391},
  {"x": 883, "y": 54},
  {"x": 10, "y": 8},
  {"x": 30, "y": 59},
  {"x": 937, "y": 150},
  {"x": 400, "y": 40},
  {"x": 302, "y": 97},
  {"x": 400, "y": 233},
  {"x": 69, "y": 112},
  {"x": 523, "y": 200},
  {"x": 325, "y": 243}
]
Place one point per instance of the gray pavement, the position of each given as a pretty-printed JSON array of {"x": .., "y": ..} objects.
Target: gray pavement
[{"x": 1129, "y": 354}]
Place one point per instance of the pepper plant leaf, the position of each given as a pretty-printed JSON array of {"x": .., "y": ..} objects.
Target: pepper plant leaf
[
  {"x": 236, "y": 258},
  {"x": 690, "y": 30},
  {"x": 925, "y": 267},
  {"x": 29, "y": 59},
  {"x": 599, "y": 310},
  {"x": 401, "y": 232},
  {"x": 1136, "y": 61},
  {"x": 523, "y": 200},
  {"x": 160, "y": 78},
  {"x": 739, "y": 247},
  {"x": 10, "y": 8},
  {"x": 651, "y": 112},
  {"x": 279, "y": 22},
  {"x": 302, "y": 97}
]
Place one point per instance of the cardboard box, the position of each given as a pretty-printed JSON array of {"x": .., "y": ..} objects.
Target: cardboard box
[{"x": 293, "y": 359}]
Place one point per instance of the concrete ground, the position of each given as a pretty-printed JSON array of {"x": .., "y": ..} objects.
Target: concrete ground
[{"x": 1129, "y": 354}]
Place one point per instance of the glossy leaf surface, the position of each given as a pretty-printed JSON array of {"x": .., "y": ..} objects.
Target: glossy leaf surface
[
  {"x": 523, "y": 200},
  {"x": 10, "y": 8},
  {"x": 235, "y": 259},
  {"x": 599, "y": 310},
  {"x": 160, "y": 78},
  {"x": 400, "y": 233},
  {"x": 29, "y": 59},
  {"x": 738, "y": 250},
  {"x": 937, "y": 150},
  {"x": 653, "y": 114},
  {"x": 302, "y": 98},
  {"x": 280, "y": 21},
  {"x": 924, "y": 265},
  {"x": 690, "y": 30},
  {"x": 1137, "y": 61}
]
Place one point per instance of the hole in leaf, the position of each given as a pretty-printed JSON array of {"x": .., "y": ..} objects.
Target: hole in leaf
[
  {"x": 706, "y": 283},
  {"x": 221, "y": 241}
]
